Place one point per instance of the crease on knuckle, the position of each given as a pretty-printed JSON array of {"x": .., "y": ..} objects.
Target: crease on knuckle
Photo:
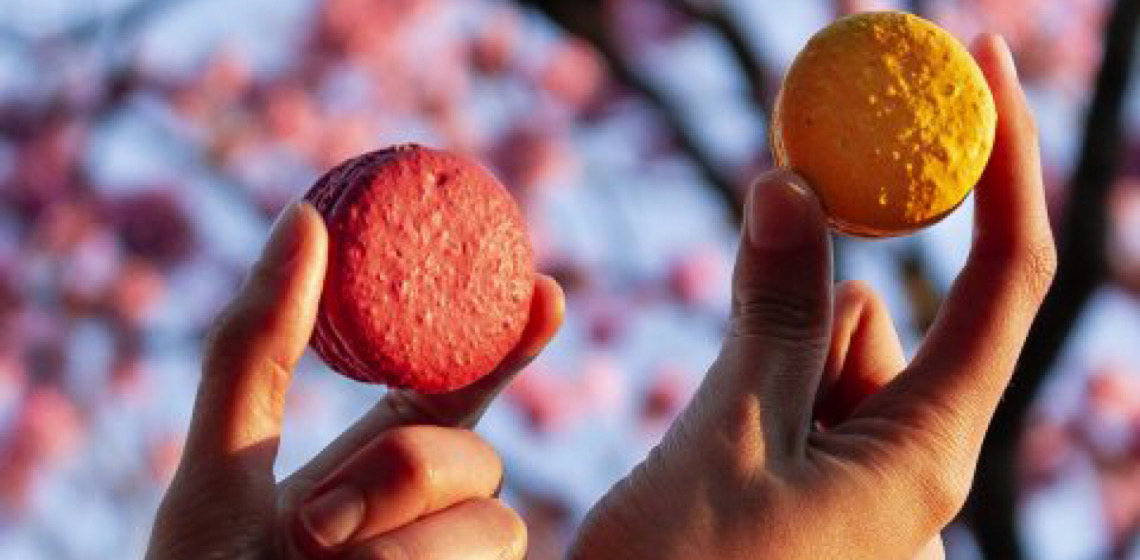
[
  {"x": 1039, "y": 266},
  {"x": 780, "y": 316},
  {"x": 1029, "y": 266}
]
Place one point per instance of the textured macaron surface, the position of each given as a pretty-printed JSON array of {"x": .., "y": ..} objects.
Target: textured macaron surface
[
  {"x": 430, "y": 271},
  {"x": 888, "y": 118}
]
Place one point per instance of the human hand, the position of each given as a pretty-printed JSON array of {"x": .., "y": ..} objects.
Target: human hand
[
  {"x": 408, "y": 480},
  {"x": 811, "y": 437}
]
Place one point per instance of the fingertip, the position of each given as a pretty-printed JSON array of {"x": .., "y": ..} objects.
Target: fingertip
[
  {"x": 552, "y": 300},
  {"x": 852, "y": 295},
  {"x": 310, "y": 228},
  {"x": 547, "y": 312},
  {"x": 783, "y": 176},
  {"x": 865, "y": 353},
  {"x": 853, "y": 299},
  {"x": 782, "y": 211},
  {"x": 313, "y": 225},
  {"x": 1010, "y": 207},
  {"x": 293, "y": 262},
  {"x": 992, "y": 51}
]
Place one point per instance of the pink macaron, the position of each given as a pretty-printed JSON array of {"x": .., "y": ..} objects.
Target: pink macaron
[{"x": 430, "y": 272}]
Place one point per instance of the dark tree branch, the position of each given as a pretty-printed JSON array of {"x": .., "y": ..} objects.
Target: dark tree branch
[
  {"x": 1082, "y": 270},
  {"x": 917, "y": 7},
  {"x": 25, "y": 118},
  {"x": 119, "y": 78},
  {"x": 1130, "y": 547},
  {"x": 921, "y": 291},
  {"x": 756, "y": 73},
  {"x": 583, "y": 18}
]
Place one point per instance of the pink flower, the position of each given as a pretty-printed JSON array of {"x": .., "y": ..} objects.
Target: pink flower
[
  {"x": 699, "y": 278},
  {"x": 573, "y": 74}
]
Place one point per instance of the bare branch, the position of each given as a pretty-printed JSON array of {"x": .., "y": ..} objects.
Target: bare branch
[
  {"x": 583, "y": 18},
  {"x": 755, "y": 71}
]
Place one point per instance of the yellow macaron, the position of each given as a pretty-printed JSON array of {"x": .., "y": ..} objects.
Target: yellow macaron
[{"x": 888, "y": 118}]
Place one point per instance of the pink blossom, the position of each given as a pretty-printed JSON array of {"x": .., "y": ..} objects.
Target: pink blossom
[
  {"x": 699, "y": 278},
  {"x": 573, "y": 74},
  {"x": 669, "y": 390},
  {"x": 546, "y": 400}
]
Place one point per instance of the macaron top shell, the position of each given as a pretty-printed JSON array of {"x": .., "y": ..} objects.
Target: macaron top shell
[
  {"x": 430, "y": 271},
  {"x": 888, "y": 118}
]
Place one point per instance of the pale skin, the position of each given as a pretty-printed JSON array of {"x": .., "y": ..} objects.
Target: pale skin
[{"x": 811, "y": 436}]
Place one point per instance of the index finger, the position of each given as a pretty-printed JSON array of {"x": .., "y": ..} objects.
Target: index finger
[
  {"x": 461, "y": 408},
  {"x": 959, "y": 374}
]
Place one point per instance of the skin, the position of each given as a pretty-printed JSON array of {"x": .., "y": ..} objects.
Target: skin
[
  {"x": 811, "y": 436},
  {"x": 408, "y": 480}
]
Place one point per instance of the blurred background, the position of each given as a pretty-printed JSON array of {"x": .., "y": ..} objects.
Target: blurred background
[{"x": 146, "y": 145}]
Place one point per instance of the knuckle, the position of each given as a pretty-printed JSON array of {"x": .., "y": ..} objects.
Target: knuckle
[
  {"x": 1039, "y": 266},
  {"x": 944, "y": 490},
  {"x": 409, "y": 461},
  {"x": 1028, "y": 267},
  {"x": 929, "y": 460},
  {"x": 492, "y": 464},
  {"x": 780, "y": 315}
]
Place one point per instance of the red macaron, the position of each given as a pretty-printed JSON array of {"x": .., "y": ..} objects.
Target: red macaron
[{"x": 430, "y": 269}]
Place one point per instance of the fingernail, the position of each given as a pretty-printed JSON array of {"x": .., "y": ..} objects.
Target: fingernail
[
  {"x": 780, "y": 213},
  {"x": 284, "y": 239},
  {"x": 332, "y": 517}
]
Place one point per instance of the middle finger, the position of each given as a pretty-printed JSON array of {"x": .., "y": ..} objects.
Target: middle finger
[{"x": 405, "y": 474}]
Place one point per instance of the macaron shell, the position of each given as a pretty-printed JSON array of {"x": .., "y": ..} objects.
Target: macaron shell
[
  {"x": 430, "y": 270},
  {"x": 324, "y": 195},
  {"x": 889, "y": 118}
]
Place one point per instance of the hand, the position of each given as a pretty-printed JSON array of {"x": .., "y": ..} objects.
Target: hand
[
  {"x": 408, "y": 480},
  {"x": 811, "y": 437}
]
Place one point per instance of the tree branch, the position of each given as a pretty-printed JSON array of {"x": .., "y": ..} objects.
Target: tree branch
[
  {"x": 1082, "y": 270},
  {"x": 583, "y": 18},
  {"x": 917, "y": 7},
  {"x": 756, "y": 73}
]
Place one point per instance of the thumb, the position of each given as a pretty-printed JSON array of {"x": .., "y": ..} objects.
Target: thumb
[
  {"x": 781, "y": 307},
  {"x": 254, "y": 346}
]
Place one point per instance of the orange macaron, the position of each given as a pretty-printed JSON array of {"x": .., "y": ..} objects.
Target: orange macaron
[{"x": 888, "y": 118}]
